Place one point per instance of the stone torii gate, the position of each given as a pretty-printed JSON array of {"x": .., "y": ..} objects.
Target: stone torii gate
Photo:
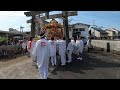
[{"x": 64, "y": 15}]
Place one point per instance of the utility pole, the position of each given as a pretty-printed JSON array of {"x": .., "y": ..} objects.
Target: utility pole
[{"x": 93, "y": 22}]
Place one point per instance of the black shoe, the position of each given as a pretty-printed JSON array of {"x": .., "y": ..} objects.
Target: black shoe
[{"x": 48, "y": 78}]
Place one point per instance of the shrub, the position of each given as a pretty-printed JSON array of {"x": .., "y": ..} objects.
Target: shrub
[{"x": 3, "y": 39}]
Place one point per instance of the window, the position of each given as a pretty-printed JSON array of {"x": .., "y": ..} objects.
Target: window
[
  {"x": 118, "y": 33},
  {"x": 75, "y": 30},
  {"x": 81, "y": 29},
  {"x": 114, "y": 33}
]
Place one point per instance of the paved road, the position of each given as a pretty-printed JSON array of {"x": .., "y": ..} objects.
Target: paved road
[{"x": 95, "y": 65}]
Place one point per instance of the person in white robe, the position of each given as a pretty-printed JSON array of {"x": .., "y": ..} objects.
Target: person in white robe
[
  {"x": 57, "y": 49},
  {"x": 75, "y": 44},
  {"x": 62, "y": 51},
  {"x": 34, "y": 63},
  {"x": 69, "y": 51},
  {"x": 52, "y": 43},
  {"x": 29, "y": 46},
  {"x": 81, "y": 47},
  {"x": 89, "y": 45},
  {"x": 24, "y": 44},
  {"x": 41, "y": 53}
]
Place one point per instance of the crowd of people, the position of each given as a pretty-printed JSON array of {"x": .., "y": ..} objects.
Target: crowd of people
[{"x": 45, "y": 50}]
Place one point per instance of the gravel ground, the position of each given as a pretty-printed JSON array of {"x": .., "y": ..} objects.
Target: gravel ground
[{"x": 19, "y": 68}]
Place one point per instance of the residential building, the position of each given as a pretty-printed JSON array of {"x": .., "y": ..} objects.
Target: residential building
[
  {"x": 98, "y": 32},
  {"x": 113, "y": 33},
  {"x": 14, "y": 31},
  {"x": 7, "y": 33},
  {"x": 79, "y": 29}
]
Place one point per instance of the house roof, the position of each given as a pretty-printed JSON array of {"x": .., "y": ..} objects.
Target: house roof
[
  {"x": 100, "y": 30},
  {"x": 81, "y": 24},
  {"x": 70, "y": 25},
  {"x": 112, "y": 29},
  {"x": 9, "y": 32},
  {"x": 4, "y": 31}
]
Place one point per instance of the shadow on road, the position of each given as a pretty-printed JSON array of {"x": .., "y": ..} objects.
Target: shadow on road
[{"x": 87, "y": 64}]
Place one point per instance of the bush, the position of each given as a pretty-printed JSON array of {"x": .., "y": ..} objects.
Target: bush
[{"x": 3, "y": 39}]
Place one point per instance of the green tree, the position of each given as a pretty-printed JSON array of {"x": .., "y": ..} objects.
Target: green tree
[{"x": 3, "y": 39}]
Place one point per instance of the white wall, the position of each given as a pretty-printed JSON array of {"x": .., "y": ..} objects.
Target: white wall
[
  {"x": 97, "y": 34},
  {"x": 114, "y": 45},
  {"x": 110, "y": 33},
  {"x": 113, "y": 30}
]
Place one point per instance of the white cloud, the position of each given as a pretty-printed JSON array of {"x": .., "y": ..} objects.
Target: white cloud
[
  {"x": 12, "y": 13},
  {"x": 12, "y": 19}
]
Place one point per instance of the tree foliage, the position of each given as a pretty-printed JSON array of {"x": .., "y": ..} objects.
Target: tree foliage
[{"x": 3, "y": 39}]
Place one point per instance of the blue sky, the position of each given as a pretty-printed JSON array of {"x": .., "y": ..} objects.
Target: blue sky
[{"x": 106, "y": 19}]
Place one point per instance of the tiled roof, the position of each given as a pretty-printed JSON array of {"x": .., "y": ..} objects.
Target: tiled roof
[
  {"x": 81, "y": 23},
  {"x": 100, "y": 30}
]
